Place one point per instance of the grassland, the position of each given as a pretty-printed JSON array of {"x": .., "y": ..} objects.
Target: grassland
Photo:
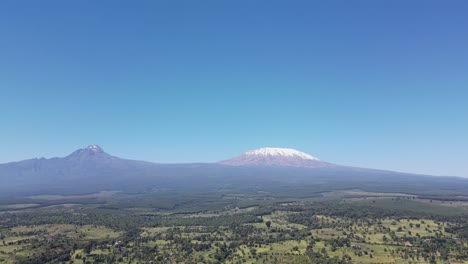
[{"x": 347, "y": 226}]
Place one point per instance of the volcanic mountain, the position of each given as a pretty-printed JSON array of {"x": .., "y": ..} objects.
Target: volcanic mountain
[
  {"x": 284, "y": 157},
  {"x": 88, "y": 163},
  {"x": 90, "y": 170}
]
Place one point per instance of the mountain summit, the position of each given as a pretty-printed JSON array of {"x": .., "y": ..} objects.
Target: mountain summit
[
  {"x": 94, "y": 148},
  {"x": 282, "y": 152},
  {"x": 276, "y": 157},
  {"x": 92, "y": 151}
]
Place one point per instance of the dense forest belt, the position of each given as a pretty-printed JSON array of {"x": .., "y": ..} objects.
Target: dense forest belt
[
  {"x": 46, "y": 205},
  {"x": 445, "y": 198}
]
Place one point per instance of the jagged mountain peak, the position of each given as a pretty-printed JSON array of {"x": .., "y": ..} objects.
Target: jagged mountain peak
[
  {"x": 95, "y": 148},
  {"x": 89, "y": 151}
]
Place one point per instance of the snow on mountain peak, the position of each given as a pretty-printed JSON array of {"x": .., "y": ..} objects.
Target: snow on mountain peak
[
  {"x": 280, "y": 152},
  {"x": 285, "y": 157},
  {"x": 94, "y": 148}
]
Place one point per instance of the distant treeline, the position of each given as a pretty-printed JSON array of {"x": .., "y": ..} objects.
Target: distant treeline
[{"x": 445, "y": 198}]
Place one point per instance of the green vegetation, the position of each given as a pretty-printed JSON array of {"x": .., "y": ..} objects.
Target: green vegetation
[{"x": 336, "y": 227}]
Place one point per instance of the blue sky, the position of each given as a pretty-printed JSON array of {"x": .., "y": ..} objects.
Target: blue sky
[{"x": 380, "y": 84}]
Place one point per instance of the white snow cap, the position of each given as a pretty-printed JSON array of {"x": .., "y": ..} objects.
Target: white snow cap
[
  {"x": 282, "y": 152},
  {"x": 94, "y": 148}
]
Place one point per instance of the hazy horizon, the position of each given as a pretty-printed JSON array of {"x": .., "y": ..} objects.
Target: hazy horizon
[{"x": 216, "y": 161}]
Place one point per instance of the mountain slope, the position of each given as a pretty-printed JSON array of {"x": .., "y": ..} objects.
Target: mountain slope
[{"x": 87, "y": 163}]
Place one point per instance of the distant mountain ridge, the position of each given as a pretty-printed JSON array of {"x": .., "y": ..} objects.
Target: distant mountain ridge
[{"x": 91, "y": 169}]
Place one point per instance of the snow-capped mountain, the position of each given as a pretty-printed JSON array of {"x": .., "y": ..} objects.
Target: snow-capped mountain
[
  {"x": 91, "y": 169},
  {"x": 276, "y": 157}
]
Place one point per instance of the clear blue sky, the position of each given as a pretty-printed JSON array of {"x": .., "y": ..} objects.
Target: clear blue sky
[{"x": 380, "y": 84}]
